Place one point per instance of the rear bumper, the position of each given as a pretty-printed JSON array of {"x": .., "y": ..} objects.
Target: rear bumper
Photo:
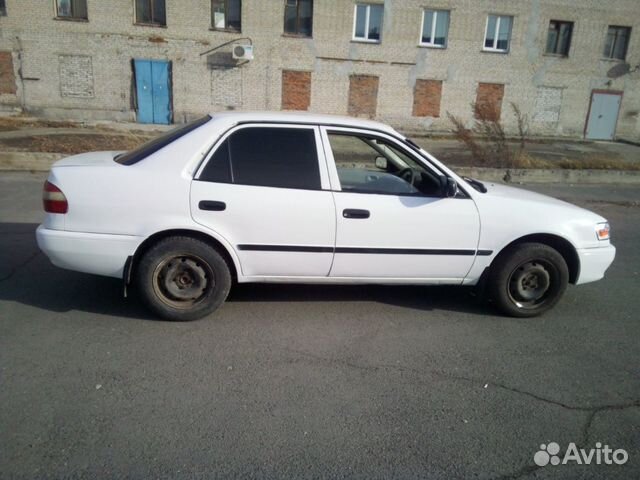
[
  {"x": 594, "y": 262},
  {"x": 95, "y": 253}
]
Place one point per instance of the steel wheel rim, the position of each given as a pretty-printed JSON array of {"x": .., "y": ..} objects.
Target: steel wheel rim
[
  {"x": 530, "y": 284},
  {"x": 183, "y": 281}
]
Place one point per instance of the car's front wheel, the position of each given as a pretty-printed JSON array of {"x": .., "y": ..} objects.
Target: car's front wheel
[
  {"x": 182, "y": 279},
  {"x": 528, "y": 279}
]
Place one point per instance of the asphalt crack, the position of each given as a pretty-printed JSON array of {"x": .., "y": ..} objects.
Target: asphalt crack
[{"x": 18, "y": 267}]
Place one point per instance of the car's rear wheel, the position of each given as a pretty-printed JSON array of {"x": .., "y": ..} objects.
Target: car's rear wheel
[
  {"x": 528, "y": 279},
  {"x": 183, "y": 278}
]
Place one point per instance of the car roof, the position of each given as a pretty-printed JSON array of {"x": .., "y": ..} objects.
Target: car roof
[{"x": 234, "y": 118}]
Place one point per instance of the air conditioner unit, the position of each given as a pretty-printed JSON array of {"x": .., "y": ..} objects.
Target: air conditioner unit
[{"x": 242, "y": 52}]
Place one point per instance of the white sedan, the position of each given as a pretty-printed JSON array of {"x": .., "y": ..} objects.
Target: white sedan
[{"x": 301, "y": 198}]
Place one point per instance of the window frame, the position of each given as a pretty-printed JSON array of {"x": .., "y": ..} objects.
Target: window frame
[
  {"x": 72, "y": 17},
  {"x": 610, "y": 56},
  {"x": 226, "y": 9},
  {"x": 499, "y": 18},
  {"x": 334, "y": 178},
  {"x": 366, "y": 39},
  {"x": 149, "y": 24},
  {"x": 557, "y": 43},
  {"x": 3, "y": 8},
  {"x": 320, "y": 154},
  {"x": 297, "y": 32},
  {"x": 434, "y": 23}
]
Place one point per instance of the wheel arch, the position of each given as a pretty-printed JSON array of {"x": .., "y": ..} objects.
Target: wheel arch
[
  {"x": 563, "y": 246},
  {"x": 182, "y": 232}
]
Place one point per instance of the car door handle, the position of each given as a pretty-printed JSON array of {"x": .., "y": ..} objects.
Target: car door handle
[
  {"x": 212, "y": 205},
  {"x": 355, "y": 213}
]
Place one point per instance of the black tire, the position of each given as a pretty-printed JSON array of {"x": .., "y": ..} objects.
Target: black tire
[
  {"x": 528, "y": 279},
  {"x": 182, "y": 279}
]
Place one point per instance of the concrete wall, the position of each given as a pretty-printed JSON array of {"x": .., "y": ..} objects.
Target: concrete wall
[{"x": 82, "y": 70}]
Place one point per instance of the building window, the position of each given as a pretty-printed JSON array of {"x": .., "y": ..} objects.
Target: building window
[
  {"x": 72, "y": 9},
  {"x": 617, "y": 42},
  {"x": 226, "y": 15},
  {"x": 368, "y": 22},
  {"x": 559, "y": 38},
  {"x": 298, "y": 17},
  {"x": 498, "y": 34},
  {"x": 151, "y": 12},
  {"x": 3, "y": 8},
  {"x": 435, "y": 28}
]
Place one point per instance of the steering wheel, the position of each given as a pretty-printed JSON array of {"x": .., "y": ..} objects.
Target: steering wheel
[{"x": 408, "y": 174}]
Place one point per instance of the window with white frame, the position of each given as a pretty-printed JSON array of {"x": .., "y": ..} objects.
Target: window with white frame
[
  {"x": 498, "y": 33},
  {"x": 367, "y": 25},
  {"x": 435, "y": 28},
  {"x": 617, "y": 42}
]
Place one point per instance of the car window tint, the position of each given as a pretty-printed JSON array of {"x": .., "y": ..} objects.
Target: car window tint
[
  {"x": 218, "y": 169},
  {"x": 275, "y": 157}
]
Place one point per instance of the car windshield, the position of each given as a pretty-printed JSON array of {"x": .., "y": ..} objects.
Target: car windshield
[{"x": 152, "y": 146}]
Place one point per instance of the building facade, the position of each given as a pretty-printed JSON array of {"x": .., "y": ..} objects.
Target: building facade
[{"x": 404, "y": 62}]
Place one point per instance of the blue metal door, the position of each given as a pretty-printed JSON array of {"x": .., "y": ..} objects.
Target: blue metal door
[
  {"x": 153, "y": 87},
  {"x": 603, "y": 116}
]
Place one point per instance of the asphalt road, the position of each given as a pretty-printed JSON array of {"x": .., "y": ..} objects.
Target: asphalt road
[{"x": 309, "y": 382}]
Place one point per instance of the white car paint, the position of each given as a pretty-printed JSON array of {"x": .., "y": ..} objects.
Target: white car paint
[{"x": 114, "y": 208}]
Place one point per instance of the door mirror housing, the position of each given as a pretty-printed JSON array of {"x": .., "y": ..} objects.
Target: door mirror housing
[
  {"x": 449, "y": 186},
  {"x": 382, "y": 163}
]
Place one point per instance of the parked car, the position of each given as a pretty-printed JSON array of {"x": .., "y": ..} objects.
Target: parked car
[{"x": 301, "y": 198}]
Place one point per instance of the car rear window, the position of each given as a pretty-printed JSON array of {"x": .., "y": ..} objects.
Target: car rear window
[
  {"x": 152, "y": 146},
  {"x": 267, "y": 157}
]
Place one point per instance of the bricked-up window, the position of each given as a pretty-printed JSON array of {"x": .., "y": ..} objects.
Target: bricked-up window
[
  {"x": 226, "y": 15},
  {"x": 488, "y": 104},
  {"x": 72, "y": 9},
  {"x": 435, "y": 28},
  {"x": 7, "y": 75},
  {"x": 151, "y": 12},
  {"x": 3, "y": 8},
  {"x": 617, "y": 42},
  {"x": 363, "y": 95},
  {"x": 559, "y": 37},
  {"x": 367, "y": 25},
  {"x": 498, "y": 34},
  {"x": 426, "y": 98},
  {"x": 298, "y": 17},
  {"x": 296, "y": 90}
]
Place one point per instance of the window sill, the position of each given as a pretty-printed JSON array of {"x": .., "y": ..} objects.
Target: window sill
[
  {"x": 363, "y": 40},
  {"x": 488, "y": 50},
  {"x": 555, "y": 55},
  {"x": 152, "y": 25},
  {"x": 435, "y": 47},
  {"x": 613, "y": 60},
  {"x": 71, "y": 19},
  {"x": 224, "y": 30},
  {"x": 296, "y": 35}
]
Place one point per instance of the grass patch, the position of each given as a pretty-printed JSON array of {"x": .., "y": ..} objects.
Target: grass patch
[
  {"x": 8, "y": 124},
  {"x": 73, "y": 144},
  {"x": 593, "y": 162}
]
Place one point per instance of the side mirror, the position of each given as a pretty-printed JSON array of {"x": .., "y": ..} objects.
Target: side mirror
[
  {"x": 449, "y": 186},
  {"x": 381, "y": 163}
]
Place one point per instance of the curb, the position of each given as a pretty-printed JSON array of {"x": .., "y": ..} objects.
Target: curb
[{"x": 41, "y": 162}]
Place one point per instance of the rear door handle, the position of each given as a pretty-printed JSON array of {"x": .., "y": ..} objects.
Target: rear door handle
[
  {"x": 212, "y": 205},
  {"x": 355, "y": 213}
]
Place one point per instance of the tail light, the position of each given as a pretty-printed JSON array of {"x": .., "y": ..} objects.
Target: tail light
[{"x": 53, "y": 199}]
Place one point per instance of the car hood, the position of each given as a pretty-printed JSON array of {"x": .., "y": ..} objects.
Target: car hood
[
  {"x": 506, "y": 194},
  {"x": 88, "y": 159}
]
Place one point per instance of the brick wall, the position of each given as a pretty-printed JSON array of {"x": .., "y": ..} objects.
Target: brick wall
[
  {"x": 363, "y": 95},
  {"x": 488, "y": 104},
  {"x": 426, "y": 98},
  {"x": 296, "y": 90},
  {"x": 7, "y": 75}
]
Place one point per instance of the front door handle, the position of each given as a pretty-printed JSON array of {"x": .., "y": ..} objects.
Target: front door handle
[
  {"x": 212, "y": 205},
  {"x": 355, "y": 213}
]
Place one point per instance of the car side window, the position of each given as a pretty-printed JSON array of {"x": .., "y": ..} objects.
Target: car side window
[
  {"x": 369, "y": 164},
  {"x": 268, "y": 157}
]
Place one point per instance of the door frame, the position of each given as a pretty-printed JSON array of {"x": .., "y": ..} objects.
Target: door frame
[{"x": 600, "y": 91}]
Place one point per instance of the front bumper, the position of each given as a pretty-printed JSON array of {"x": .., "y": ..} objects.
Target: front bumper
[
  {"x": 96, "y": 253},
  {"x": 594, "y": 262}
]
